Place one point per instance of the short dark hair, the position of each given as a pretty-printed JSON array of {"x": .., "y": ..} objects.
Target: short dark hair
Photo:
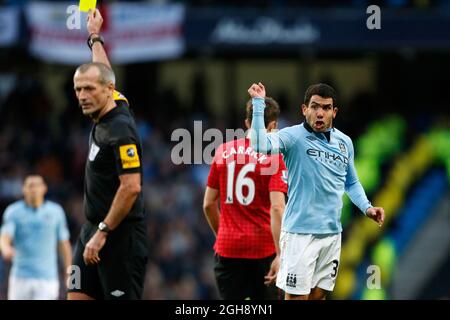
[
  {"x": 271, "y": 112},
  {"x": 320, "y": 89}
]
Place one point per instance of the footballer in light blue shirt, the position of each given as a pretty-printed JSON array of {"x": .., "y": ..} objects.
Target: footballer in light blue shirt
[
  {"x": 33, "y": 230},
  {"x": 320, "y": 164}
]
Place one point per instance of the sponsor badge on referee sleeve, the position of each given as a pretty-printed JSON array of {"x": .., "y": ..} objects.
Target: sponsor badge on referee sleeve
[{"x": 129, "y": 156}]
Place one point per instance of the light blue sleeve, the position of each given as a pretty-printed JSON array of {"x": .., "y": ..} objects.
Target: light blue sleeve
[
  {"x": 9, "y": 223},
  {"x": 62, "y": 230},
  {"x": 353, "y": 187},
  {"x": 267, "y": 143}
]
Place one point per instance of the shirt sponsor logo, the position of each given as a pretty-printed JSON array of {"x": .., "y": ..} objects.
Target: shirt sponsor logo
[
  {"x": 327, "y": 155},
  {"x": 129, "y": 156},
  {"x": 93, "y": 152}
]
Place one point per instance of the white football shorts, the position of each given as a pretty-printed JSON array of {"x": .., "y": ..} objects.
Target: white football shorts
[
  {"x": 32, "y": 289},
  {"x": 308, "y": 261}
]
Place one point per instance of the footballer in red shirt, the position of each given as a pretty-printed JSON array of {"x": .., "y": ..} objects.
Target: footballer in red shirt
[{"x": 244, "y": 202}]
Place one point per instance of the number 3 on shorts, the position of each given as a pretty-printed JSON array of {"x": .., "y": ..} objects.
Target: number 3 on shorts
[{"x": 335, "y": 268}]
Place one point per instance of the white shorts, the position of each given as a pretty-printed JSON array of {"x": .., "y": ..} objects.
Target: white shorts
[
  {"x": 32, "y": 289},
  {"x": 308, "y": 261}
]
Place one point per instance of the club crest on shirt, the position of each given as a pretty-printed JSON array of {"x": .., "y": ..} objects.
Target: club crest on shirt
[
  {"x": 342, "y": 147},
  {"x": 129, "y": 156},
  {"x": 93, "y": 152}
]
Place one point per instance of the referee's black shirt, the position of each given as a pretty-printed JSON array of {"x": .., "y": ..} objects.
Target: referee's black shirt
[{"x": 114, "y": 149}]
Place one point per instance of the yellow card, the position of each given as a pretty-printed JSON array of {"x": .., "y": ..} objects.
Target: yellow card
[{"x": 85, "y": 5}]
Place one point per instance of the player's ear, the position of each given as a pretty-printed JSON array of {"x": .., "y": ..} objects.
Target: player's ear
[
  {"x": 45, "y": 188},
  {"x": 335, "y": 110},
  {"x": 272, "y": 125},
  {"x": 111, "y": 87},
  {"x": 304, "y": 107}
]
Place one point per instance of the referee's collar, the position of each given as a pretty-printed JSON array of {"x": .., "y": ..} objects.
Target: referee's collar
[
  {"x": 110, "y": 113},
  {"x": 326, "y": 134}
]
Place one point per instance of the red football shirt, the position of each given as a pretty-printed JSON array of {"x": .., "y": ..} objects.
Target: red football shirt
[{"x": 244, "y": 179}]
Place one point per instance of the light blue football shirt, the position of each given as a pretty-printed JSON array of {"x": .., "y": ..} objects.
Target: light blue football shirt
[
  {"x": 36, "y": 234},
  {"x": 320, "y": 169}
]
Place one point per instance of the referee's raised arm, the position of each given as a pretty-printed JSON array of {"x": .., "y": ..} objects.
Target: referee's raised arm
[{"x": 95, "y": 40}]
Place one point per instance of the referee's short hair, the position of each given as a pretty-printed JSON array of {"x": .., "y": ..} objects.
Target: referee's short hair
[
  {"x": 106, "y": 74},
  {"x": 271, "y": 112}
]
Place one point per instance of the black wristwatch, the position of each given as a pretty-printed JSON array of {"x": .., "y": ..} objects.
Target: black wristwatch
[
  {"x": 94, "y": 37},
  {"x": 103, "y": 227}
]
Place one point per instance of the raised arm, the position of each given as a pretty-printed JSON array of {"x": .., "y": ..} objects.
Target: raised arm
[
  {"x": 258, "y": 134},
  {"x": 261, "y": 141},
  {"x": 94, "y": 26}
]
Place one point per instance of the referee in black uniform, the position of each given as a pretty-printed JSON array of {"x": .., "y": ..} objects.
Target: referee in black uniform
[{"x": 111, "y": 253}]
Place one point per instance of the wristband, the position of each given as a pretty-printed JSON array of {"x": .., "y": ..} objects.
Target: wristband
[{"x": 94, "y": 37}]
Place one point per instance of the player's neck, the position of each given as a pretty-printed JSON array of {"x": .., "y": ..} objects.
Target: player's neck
[{"x": 34, "y": 203}]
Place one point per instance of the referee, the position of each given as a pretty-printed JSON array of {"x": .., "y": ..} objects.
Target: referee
[{"x": 111, "y": 253}]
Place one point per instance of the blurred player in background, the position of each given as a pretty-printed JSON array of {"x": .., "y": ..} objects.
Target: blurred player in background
[
  {"x": 32, "y": 232},
  {"x": 319, "y": 159},
  {"x": 251, "y": 189},
  {"x": 112, "y": 249}
]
